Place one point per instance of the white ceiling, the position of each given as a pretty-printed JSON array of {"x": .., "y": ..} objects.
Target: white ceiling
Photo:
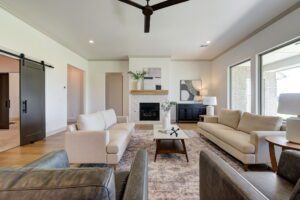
[{"x": 117, "y": 28}]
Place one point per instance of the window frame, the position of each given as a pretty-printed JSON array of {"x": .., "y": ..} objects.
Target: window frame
[
  {"x": 230, "y": 78},
  {"x": 260, "y": 69}
]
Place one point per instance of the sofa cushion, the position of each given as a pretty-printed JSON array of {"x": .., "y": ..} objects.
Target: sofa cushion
[
  {"x": 237, "y": 139},
  {"x": 110, "y": 117},
  {"x": 118, "y": 140},
  {"x": 123, "y": 126},
  {"x": 251, "y": 122},
  {"x": 271, "y": 185},
  {"x": 91, "y": 122},
  {"x": 230, "y": 118}
]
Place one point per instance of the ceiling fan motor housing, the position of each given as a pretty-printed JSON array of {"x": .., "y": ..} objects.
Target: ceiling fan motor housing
[{"x": 147, "y": 10}]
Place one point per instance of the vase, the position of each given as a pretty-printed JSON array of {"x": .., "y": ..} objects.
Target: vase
[
  {"x": 167, "y": 121},
  {"x": 139, "y": 84}
]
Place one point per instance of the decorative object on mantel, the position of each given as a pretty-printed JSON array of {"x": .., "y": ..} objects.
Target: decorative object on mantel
[
  {"x": 289, "y": 103},
  {"x": 149, "y": 92},
  {"x": 190, "y": 90},
  {"x": 138, "y": 76},
  {"x": 166, "y": 107},
  {"x": 210, "y": 102},
  {"x": 152, "y": 79}
]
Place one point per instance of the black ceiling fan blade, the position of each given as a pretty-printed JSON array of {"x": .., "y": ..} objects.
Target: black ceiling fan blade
[
  {"x": 132, "y": 3},
  {"x": 147, "y": 23},
  {"x": 167, "y": 4}
]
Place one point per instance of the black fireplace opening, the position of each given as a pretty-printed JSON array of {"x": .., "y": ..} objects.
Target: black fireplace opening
[{"x": 149, "y": 112}]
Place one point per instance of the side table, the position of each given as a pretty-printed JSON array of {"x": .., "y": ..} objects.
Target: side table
[{"x": 282, "y": 142}]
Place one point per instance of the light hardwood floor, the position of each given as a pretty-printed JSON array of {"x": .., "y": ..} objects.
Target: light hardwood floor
[{"x": 19, "y": 156}]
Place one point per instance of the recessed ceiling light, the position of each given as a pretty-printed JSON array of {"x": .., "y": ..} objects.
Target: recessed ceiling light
[
  {"x": 208, "y": 42},
  {"x": 91, "y": 42}
]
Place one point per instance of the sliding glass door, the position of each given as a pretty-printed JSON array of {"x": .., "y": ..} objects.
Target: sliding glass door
[
  {"x": 240, "y": 86},
  {"x": 280, "y": 73}
]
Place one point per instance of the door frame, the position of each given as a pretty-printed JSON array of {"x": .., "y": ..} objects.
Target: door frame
[
  {"x": 83, "y": 106},
  {"x": 119, "y": 73}
]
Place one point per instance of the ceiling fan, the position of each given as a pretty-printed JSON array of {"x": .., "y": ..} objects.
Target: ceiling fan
[{"x": 148, "y": 10}]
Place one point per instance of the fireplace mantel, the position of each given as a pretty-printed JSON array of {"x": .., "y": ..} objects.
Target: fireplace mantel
[{"x": 149, "y": 92}]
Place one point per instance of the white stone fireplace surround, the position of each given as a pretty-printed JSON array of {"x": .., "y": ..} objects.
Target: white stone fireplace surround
[{"x": 134, "y": 106}]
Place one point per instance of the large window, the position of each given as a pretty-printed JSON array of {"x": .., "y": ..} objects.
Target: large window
[
  {"x": 240, "y": 86},
  {"x": 280, "y": 73}
]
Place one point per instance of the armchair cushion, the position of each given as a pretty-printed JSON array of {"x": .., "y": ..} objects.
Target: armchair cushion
[
  {"x": 271, "y": 185},
  {"x": 230, "y": 118},
  {"x": 289, "y": 166},
  {"x": 91, "y": 122},
  {"x": 121, "y": 178},
  {"x": 296, "y": 192},
  {"x": 250, "y": 122},
  {"x": 110, "y": 117}
]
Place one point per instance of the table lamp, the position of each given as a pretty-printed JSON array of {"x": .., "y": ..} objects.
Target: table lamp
[
  {"x": 210, "y": 102},
  {"x": 289, "y": 103}
]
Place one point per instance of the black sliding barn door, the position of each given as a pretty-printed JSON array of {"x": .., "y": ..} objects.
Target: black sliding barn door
[
  {"x": 4, "y": 101},
  {"x": 32, "y": 101}
]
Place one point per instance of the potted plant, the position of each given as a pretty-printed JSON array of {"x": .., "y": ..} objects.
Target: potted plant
[
  {"x": 138, "y": 76},
  {"x": 166, "y": 107}
]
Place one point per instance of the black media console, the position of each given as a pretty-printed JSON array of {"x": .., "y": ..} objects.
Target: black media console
[{"x": 189, "y": 112}]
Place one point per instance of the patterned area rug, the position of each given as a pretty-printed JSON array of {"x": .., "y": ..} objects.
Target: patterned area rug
[{"x": 171, "y": 177}]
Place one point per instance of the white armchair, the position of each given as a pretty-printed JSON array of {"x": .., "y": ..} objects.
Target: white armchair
[{"x": 95, "y": 146}]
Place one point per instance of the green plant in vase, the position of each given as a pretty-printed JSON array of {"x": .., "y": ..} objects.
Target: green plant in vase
[{"x": 138, "y": 76}]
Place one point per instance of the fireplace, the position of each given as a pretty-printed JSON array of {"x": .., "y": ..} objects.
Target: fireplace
[{"x": 149, "y": 112}]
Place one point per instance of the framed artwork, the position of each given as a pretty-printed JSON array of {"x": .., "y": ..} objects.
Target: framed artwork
[{"x": 190, "y": 89}]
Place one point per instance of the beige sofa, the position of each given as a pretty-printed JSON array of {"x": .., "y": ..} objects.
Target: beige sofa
[
  {"x": 100, "y": 137},
  {"x": 242, "y": 135}
]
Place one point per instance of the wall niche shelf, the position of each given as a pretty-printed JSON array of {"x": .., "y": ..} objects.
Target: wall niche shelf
[{"x": 149, "y": 92}]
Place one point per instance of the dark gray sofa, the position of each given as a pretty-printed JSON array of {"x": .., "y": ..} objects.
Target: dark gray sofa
[
  {"x": 219, "y": 181},
  {"x": 51, "y": 178}
]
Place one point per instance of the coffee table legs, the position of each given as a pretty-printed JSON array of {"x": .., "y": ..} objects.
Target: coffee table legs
[
  {"x": 273, "y": 157},
  {"x": 161, "y": 150}
]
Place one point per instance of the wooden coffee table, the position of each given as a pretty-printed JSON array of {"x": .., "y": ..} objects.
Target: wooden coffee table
[
  {"x": 166, "y": 143},
  {"x": 282, "y": 142}
]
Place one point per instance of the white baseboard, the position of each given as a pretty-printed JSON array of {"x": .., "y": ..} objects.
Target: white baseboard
[{"x": 49, "y": 133}]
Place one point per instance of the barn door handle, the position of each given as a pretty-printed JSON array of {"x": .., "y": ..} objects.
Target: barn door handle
[
  {"x": 24, "y": 106},
  {"x": 7, "y": 104}
]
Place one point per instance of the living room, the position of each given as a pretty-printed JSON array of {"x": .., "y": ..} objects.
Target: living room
[{"x": 106, "y": 93}]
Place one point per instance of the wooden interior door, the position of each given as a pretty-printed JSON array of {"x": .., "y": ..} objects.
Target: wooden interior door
[
  {"x": 114, "y": 92},
  {"x": 4, "y": 101},
  {"x": 32, "y": 97}
]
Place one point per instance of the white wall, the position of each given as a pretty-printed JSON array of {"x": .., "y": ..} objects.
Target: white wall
[
  {"x": 20, "y": 37},
  {"x": 281, "y": 31},
  {"x": 96, "y": 83},
  {"x": 188, "y": 70}
]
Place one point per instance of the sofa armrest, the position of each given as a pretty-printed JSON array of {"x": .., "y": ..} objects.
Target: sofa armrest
[
  {"x": 296, "y": 192},
  {"x": 289, "y": 166},
  {"x": 122, "y": 119},
  {"x": 220, "y": 181},
  {"x": 86, "y": 146},
  {"x": 210, "y": 119},
  {"x": 258, "y": 139},
  {"x": 137, "y": 184},
  {"x": 75, "y": 183},
  {"x": 53, "y": 160}
]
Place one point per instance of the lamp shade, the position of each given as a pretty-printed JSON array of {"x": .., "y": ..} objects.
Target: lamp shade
[
  {"x": 289, "y": 103},
  {"x": 210, "y": 101}
]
